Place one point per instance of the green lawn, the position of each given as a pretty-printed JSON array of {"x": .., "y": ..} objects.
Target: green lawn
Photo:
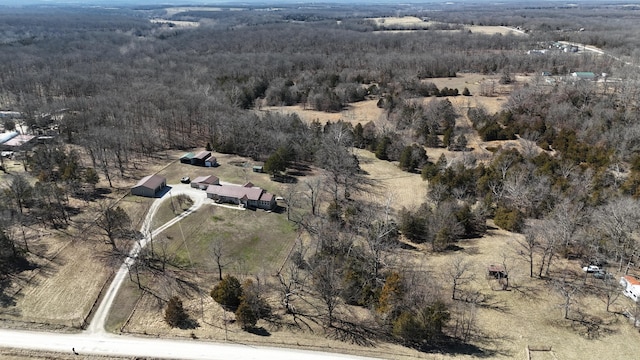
[
  {"x": 255, "y": 240},
  {"x": 169, "y": 208}
]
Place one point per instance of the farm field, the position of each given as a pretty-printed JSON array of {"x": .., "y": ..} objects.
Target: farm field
[{"x": 415, "y": 22}]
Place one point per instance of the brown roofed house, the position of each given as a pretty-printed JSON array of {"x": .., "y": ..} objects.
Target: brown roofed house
[{"x": 251, "y": 197}]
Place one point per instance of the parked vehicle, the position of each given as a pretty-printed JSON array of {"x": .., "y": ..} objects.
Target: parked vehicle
[
  {"x": 185, "y": 180},
  {"x": 591, "y": 268},
  {"x": 602, "y": 275}
]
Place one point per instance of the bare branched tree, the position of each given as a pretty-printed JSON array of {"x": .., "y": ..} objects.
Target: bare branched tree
[{"x": 458, "y": 273}]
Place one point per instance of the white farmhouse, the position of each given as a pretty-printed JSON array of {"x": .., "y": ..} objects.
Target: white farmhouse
[{"x": 631, "y": 287}]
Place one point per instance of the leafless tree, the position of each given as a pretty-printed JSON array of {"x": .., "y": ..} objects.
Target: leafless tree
[
  {"x": 610, "y": 290},
  {"x": 464, "y": 320},
  {"x": 458, "y": 273},
  {"x": 569, "y": 290},
  {"x": 292, "y": 280},
  {"x": 20, "y": 191},
  {"x": 617, "y": 221},
  {"x": 526, "y": 246},
  {"x": 114, "y": 223},
  {"x": 219, "y": 253},
  {"x": 314, "y": 188},
  {"x": 328, "y": 286}
]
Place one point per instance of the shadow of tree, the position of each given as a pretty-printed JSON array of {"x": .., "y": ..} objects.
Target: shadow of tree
[
  {"x": 6, "y": 300},
  {"x": 591, "y": 327},
  {"x": 9, "y": 266},
  {"x": 358, "y": 334},
  {"x": 456, "y": 347},
  {"x": 260, "y": 331},
  {"x": 188, "y": 323}
]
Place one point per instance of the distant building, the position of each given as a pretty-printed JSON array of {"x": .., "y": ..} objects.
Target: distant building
[
  {"x": 211, "y": 161},
  {"x": 149, "y": 186},
  {"x": 9, "y": 114},
  {"x": 583, "y": 75},
  {"x": 19, "y": 142}
]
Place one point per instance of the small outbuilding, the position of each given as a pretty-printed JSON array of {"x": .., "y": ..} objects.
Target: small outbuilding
[
  {"x": 496, "y": 271},
  {"x": 584, "y": 75},
  {"x": 203, "y": 182},
  {"x": 19, "y": 142},
  {"x": 211, "y": 161},
  {"x": 149, "y": 186},
  {"x": 186, "y": 158}
]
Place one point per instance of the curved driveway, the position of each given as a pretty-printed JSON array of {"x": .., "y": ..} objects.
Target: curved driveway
[{"x": 96, "y": 341}]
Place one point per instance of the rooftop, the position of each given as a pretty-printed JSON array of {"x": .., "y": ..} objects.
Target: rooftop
[
  {"x": 235, "y": 191},
  {"x": 151, "y": 181}
]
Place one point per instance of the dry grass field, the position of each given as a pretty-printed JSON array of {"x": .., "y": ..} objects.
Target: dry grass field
[{"x": 492, "y": 30}]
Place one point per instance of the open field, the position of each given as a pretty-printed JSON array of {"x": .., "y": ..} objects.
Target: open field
[
  {"x": 414, "y": 23},
  {"x": 408, "y": 21},
  {"x": 405, "y": 190},
  {"x": 492, "y": 30}
]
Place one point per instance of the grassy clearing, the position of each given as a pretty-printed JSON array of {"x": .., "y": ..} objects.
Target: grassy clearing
[
  {"x": 405, "y": 189},
  {"x": 169, "y": 209},
  {"x": 257, "y": 241}
]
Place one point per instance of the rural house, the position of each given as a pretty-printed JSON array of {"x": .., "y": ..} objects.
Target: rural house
[
  {"x": 250, "y": 197},
  {"x": 149, "y": 186},
  {"x": 203, "y": 182},
  {"x": 631, "y": 287}
]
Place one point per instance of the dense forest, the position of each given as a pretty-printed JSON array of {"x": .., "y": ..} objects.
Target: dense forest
[{"x": 119, "y": 87}]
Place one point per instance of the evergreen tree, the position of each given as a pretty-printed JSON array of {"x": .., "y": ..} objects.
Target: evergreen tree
[
  {"x": 227, "y": 292},
  {"x": 405, "y": 162},
  {"x": 246, "y": 315},
  {"x": 175, "y": 315},
  {"x": 278, "y": 161}
]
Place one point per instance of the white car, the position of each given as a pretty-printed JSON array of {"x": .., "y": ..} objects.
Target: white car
[{"x": 591, "y": 268}]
